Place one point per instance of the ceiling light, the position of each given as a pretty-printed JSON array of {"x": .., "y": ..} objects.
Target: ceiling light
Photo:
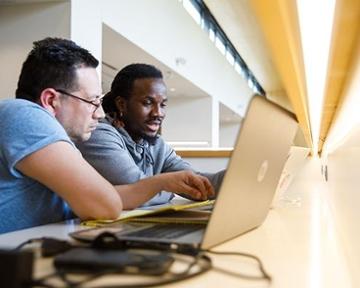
[
  {"x": 315, "y": 19},
  {"x": 180, "y": 61}
]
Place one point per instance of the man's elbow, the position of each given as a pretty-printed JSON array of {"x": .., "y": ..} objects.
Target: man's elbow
[
  {"x": 110, "y": 214},
  {"x": 110, "y": 211}
]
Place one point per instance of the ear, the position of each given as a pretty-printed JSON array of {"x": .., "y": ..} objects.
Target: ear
[
  {"x": 50, "y": 100},
  {"x": 120, "y": 104}
]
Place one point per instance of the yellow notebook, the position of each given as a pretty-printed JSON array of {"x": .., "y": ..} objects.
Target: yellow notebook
[
  {"x": 177, "y": 217},
  {"x": 142, "y": 213}
]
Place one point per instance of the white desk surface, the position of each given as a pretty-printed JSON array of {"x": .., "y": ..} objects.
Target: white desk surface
[{"x": 297, "y": 243}]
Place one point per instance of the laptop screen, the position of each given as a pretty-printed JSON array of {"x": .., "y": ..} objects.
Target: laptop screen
[{"x": 254, "y": 170}]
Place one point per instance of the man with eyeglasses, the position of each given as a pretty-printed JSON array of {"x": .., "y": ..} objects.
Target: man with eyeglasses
[{"x": 43, "y": 177}]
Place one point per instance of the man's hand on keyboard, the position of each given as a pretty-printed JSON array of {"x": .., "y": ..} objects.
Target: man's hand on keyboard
[{"x": 190, "y": 184}]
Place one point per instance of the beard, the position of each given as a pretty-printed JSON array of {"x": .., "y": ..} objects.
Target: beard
[{"x": 138, "y": 132}]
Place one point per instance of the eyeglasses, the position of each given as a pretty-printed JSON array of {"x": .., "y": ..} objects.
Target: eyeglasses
[{"x": 97, "y": 103}]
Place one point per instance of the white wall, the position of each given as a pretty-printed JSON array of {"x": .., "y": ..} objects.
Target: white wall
[
  {"x": 20, "y": 26},
  {"x": 188, "y": 119},
  {"x": 344, "y": 199},
  {"x": 228, "y": 134},
  {"x": 341, "y": 152},
  {"x": 209, "y": 165},
  {"x": 86, "y": 27}
]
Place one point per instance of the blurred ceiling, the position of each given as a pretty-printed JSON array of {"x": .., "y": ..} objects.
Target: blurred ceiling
[{"x": 119, "y": 52}]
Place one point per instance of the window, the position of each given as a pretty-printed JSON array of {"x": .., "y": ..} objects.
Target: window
[
  {"x": 229, "y": 57},
  {"x": 212, "y": 35},
  {"x": 202, "y": 15},
  {"x": 194, "y": 13},
  {"x": 220, "y": 45}
]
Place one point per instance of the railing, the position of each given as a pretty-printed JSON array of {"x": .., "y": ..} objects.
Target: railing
[{"x": 204, "y": 153}]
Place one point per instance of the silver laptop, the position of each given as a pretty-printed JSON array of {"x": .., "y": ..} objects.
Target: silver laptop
[{"x": 245, "y": 194}]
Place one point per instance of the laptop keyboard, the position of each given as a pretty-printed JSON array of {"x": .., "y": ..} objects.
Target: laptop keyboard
[{"x": 165, "y": 231}]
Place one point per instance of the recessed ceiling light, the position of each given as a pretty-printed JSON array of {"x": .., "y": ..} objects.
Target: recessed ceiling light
[
  {"x": 180, "y": 61},
  {"x": 172, "y": 89}
]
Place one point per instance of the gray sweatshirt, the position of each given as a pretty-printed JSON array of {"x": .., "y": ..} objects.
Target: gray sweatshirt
[{"x": 113, "y": 153}]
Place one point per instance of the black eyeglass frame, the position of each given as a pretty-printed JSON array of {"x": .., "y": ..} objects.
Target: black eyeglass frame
[{"x": 97, "y": 105}]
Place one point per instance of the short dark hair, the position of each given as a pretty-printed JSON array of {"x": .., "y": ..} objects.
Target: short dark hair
[
  {"x": 123, "y": 83},
  {"x": 52, "y": 63}
]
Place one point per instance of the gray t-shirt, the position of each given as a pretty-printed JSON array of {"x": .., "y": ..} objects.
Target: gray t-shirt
[
  {"x": 113, "y": 153},
  {"x": 25, "y": 128}
]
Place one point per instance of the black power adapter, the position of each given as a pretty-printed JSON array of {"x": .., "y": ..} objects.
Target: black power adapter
[{"x": 16, "y": 268}]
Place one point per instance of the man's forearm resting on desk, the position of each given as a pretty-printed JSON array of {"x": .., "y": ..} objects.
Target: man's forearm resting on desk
[{"x": 90, "y": 195}]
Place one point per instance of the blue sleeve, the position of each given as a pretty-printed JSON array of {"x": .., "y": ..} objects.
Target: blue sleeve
[{"x": 27, "y": 128}]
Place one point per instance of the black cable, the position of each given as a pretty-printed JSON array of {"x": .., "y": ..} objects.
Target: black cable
[
  {"x": 201, "y": 260},
  {"x": 41, "y": 281},
  {"x": 49, "y": 246},
  {"x": 73, "y": 284},
  {"x": 265, "y": 276},
  {"x": 177, "y": 277},
  {"x": 30, "y": 241},
  {"x": 191, "y": 265}
]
